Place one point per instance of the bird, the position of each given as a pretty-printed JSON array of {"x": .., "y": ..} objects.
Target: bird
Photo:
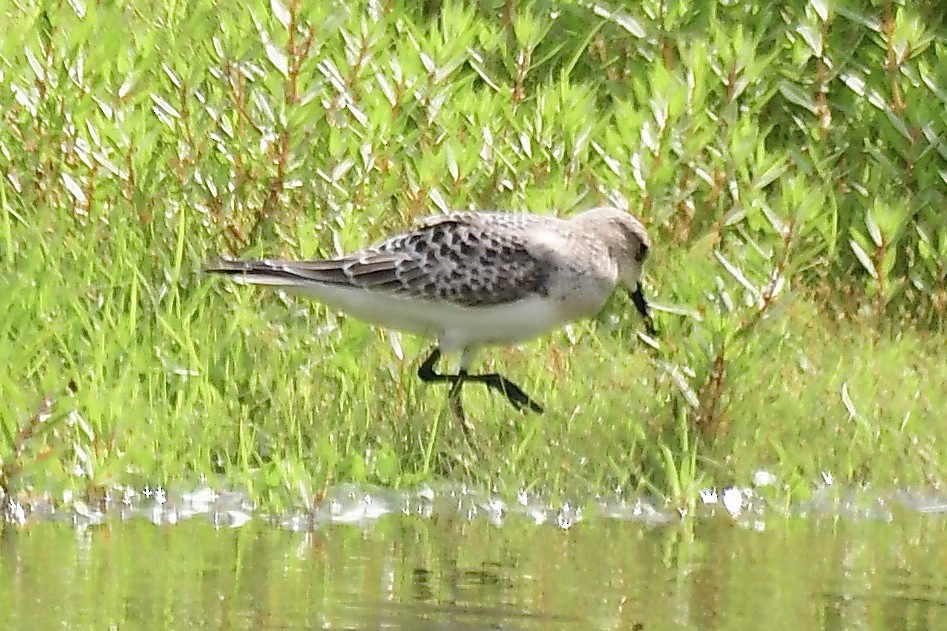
[{"x": 471, "y": 279}]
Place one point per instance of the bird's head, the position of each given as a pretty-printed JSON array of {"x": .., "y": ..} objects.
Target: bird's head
[{"x": 628, "y": 243}]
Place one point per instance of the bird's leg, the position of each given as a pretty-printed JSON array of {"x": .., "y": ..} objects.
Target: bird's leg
[
  {"x": 456, "y": 406},
  {"x": 426, "y": 373},
  {"x": 514, "y": 394}
]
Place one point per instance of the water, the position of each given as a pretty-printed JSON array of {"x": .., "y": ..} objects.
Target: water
[{"x": 448, "y": 571}]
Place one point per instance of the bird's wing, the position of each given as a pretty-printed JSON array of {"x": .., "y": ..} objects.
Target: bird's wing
[
  {"x": 458, "y": 258},
  {"x": 466, "y": 259}
]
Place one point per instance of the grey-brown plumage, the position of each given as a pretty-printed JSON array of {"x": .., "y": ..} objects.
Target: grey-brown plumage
[
  {"x": 473, "y": 278},
  {"x": 462, "y": 259}
]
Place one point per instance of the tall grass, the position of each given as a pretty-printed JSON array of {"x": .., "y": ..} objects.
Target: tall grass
[{"x": 790, "y": 164}]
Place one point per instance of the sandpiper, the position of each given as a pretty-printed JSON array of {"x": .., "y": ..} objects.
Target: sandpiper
[{"x": 473, "y": 279}]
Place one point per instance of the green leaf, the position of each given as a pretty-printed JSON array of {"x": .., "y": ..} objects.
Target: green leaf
[
  {"x": 74, "y": 189},
  {"x": 873, "y": 229},
  {"x": 279, "y": 10},
  {"x": 821, "y": 8},
  {"x": 863, "y": 258},
  {"x": 772, "y": 172},
  {"x": 737, "y": 274}
]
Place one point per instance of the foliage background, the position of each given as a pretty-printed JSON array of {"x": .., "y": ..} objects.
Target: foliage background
[{"x": 790, "y": 164}]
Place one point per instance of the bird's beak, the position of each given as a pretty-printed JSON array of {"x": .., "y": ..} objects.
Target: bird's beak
[{"x": 641, "y": 304}]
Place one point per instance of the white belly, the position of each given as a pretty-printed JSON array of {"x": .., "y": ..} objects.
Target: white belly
[{"x": 455, "y": 327}]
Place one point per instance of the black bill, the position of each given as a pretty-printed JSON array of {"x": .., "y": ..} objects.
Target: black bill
[{"x": 641, "y": 304}]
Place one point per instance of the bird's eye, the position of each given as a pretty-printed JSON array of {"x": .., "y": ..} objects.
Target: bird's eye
[{"x": 642, "y": 252}]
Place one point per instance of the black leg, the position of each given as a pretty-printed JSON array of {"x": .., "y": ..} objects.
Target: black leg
[
  {"x": 457, "y": 406},
  {"x": 426, "y": 371},
  {"x": 514, "y": 394}
]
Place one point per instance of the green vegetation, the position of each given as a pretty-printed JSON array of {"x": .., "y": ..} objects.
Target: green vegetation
[{"x": 790, "y": 164}]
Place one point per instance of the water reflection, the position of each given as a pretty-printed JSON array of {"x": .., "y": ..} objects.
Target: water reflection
[{"x": 409, "y": 572}]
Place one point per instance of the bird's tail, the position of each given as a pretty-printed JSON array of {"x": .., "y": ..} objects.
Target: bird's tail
[{"x": 273, "y": 273}]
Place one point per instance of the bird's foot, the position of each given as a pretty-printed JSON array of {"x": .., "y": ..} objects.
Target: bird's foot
[{"x": 513, "y": 393}]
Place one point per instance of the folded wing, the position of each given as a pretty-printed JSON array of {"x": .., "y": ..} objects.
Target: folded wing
[{"x": 456, "y": 258}]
